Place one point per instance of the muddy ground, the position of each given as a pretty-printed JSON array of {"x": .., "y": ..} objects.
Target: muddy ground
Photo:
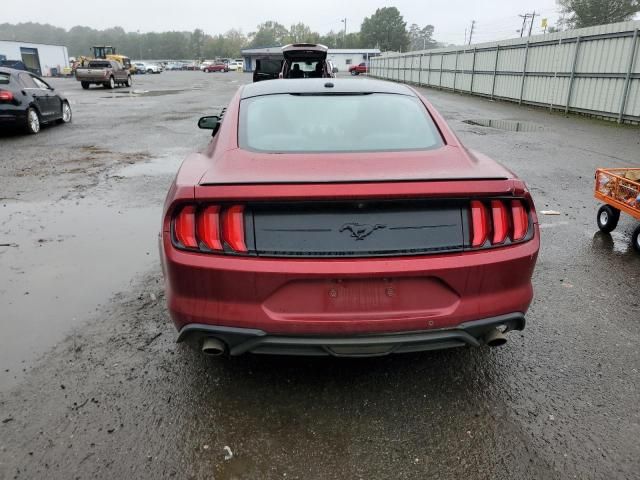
[{"x": 93, "y": 384}]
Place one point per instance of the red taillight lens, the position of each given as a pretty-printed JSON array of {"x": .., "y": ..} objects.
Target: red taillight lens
[
  {"x": 209, "y": 227},
  {"x": 520, "y": 220},
  {"x": 185, "y": 227},
  {"x": 233, "y": 228},
  {"x": 6, "y": 96},
  {"x": 480, "y": 228},
  {"x": 500, "y": 221}
]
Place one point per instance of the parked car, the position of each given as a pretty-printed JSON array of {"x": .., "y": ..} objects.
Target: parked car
[
  {"x": 15, "y": 64},
  {"x": 236, "y": 65},
  {"x": 141, "y": 68},
  {"x": 152, "y": 67},
  {"x": 301, "y": 60},
  {"x": 358, "y": 69},
  {"x": 216, "y": 67},
  {"x": 373, "y": 231},
  {"x": 107, "y": 73},
  {"x": 27, "y": 101},
  {"x": 174, "y": 66},
  {"x": 189, "y": 66}
]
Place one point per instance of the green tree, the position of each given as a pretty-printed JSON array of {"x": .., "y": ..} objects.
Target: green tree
[
  {"x": 269, "y": 34},
  {"x": 197, "y": 41},
  {"x": 301, "y": 33},
  {"x": 421, "y": 38},
  {"x": 385, "y": 29},
  {"x": 587, "y": 13}
]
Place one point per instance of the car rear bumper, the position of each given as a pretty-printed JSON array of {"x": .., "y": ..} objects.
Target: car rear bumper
[
  {"x": 13, "y": 115},
  {"x": 350, "y": 296},
  {"x": 244, "y": 340}
]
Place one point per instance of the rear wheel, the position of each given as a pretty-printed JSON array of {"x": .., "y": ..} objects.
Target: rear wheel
[
  {"x": 85, "y": 85},
  {"x": 608, "y": 218},
  {"x": 66, "y": 112},
  {"x": 111, "y": 84},
  {"x": 129, "y": 81},
  {"x": 635, "y": 239},
  {"x": 354, "y": 73},
  {"x": 33, "y": 121}
]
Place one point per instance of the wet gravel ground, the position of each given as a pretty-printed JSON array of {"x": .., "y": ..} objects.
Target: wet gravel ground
[{"x": 94, "y": 386}]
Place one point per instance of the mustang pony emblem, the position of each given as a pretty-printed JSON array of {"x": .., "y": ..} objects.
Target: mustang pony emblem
[{"x": 359, "y": 230}]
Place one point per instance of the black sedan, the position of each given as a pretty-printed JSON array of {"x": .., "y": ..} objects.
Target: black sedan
[{"x": 27, "y": 101}]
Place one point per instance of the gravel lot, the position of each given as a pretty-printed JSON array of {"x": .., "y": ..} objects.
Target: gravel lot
[{"x": 94, "y": 386}]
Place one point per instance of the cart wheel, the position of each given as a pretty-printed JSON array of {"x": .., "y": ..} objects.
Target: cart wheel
[
  {"x": 608, "y": 218},
  {"x": 635, "y": 239}
]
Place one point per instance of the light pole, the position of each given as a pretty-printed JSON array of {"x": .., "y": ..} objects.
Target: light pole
[{"x": 344, "y": 34}]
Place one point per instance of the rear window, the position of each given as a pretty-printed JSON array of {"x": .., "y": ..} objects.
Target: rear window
[
  {"x": 336, "y": 123},
  {"x": 99, "y": 64},
  {"x": 4, "y": 79}
]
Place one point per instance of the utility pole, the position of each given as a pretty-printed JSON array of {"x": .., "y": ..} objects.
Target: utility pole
[
  {"x": 344, "y": 34},
  {"x": 473, "y": 24},
  {"x": 465, "y": 35},
  {"x": 533, "y": 16},
  {"x": 526, "y": 17}
]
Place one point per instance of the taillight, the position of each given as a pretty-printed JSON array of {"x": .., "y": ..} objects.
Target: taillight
[
  {"x": 6, "y": 96},
  {"x": 479, "y": 225},
  {"x": 502, "y": 222},
  {"x": 520, "y": 220},
  {"x": 210, "y": 228},
  {"x": 185, "y": 227},
  {"x": 233, "y": 228}
]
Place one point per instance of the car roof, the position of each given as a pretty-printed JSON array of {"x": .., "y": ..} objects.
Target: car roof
[
  {"x": 319, "y": 86},
  {"x": 11, "y": 70}
]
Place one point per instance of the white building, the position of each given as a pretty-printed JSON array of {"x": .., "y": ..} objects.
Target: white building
[
  {"x": 342, "y": 58},
  {"x": 40, "y": 58}
]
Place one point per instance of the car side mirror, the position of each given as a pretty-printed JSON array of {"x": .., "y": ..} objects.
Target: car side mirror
[{"x": 211, "y": 122}]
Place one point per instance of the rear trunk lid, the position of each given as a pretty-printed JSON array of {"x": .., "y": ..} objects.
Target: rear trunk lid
[{"x": 237, "y": 166}]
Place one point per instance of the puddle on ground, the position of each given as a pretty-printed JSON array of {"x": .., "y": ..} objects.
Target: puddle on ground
[
  {"x": 509, "y": 125},
  {"x": 156, "y": 167},
  {"x": 59, "y": 262},
  {"x": 142, "y": 93}
]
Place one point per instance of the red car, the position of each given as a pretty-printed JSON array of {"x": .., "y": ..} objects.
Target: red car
[
  {"x": 358, "y": 69},
  {"x": 216, "y": 67},
  {"x": 343, "y": 217}
]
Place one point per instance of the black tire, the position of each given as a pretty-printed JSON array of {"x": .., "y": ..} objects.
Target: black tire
[
  {"x": 129, "y": 81},
  {"x": 110, "y": 84},
  {"x": 85, "y": 85},
  {"x": 33, "y": 121},
  {"x": 608, "y": 218},
  {"x": 354, "y": 73},
  {"x": 635, "y": 239}
]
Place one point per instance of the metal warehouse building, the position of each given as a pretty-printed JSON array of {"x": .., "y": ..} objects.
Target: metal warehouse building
[
  {"x": 342, "y": 58},
  {"x": 40, "y": 58}
]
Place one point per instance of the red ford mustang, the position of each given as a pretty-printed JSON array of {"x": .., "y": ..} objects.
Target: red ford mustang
[{"x": 343, "y": 217}]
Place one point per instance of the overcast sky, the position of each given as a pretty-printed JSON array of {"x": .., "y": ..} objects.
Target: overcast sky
[{"x": 495, "y": 19}]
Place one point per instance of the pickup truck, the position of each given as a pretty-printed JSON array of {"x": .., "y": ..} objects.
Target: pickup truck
[
  {"x": 358, "y": 69},
  {"x": 108, "y": 73}
]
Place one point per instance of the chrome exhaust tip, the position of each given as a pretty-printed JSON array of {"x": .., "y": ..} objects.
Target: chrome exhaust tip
[
  {"x": 495, "y": 338},
  {"x": 213, "y": 347}
]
